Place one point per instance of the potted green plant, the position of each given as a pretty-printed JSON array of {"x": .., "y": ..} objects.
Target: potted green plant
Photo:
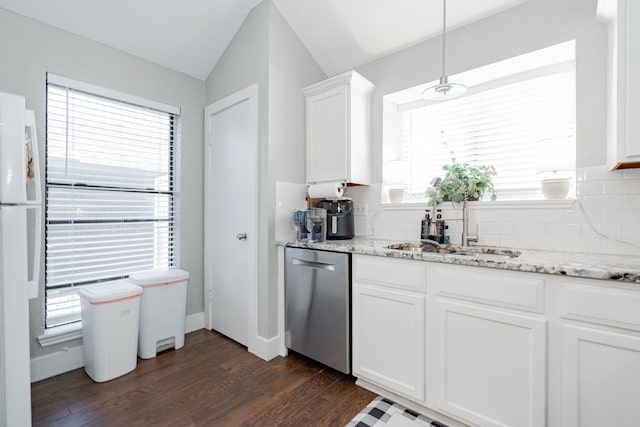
[{"x": 462, "y": 180}]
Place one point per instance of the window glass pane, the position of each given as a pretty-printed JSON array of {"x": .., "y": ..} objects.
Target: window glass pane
[
  {"x": 110, "y": 194},
  {"x": 504, "y": 125},
  {"x": 500, "y": 127}
]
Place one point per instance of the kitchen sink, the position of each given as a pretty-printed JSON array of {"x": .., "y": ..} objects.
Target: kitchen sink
[{"x": 484, "y": 253}]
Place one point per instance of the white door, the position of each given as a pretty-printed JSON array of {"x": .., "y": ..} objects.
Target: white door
[{"x": 231, "y": 214}]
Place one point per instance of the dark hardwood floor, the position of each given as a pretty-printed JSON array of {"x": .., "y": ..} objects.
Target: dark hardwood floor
[{"x": 211, "y": 381}]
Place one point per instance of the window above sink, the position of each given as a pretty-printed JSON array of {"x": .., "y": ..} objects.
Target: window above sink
[{"x": 510, "y": 108}]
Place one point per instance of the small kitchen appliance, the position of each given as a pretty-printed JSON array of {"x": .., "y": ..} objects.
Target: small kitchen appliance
[
  {"x": 316, "y": 223},
  {"x": 298, "y": 225},
  {"x": 339, "y": 218}
]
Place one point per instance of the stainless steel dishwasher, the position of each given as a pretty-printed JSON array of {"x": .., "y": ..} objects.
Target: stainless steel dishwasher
[{"x": 318, "y": 306}]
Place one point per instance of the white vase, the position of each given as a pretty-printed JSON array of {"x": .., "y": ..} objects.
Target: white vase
[{"x": 396, "y": 195}]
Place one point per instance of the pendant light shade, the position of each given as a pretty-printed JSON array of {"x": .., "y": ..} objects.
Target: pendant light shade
[{"x": 444, "y": 90}]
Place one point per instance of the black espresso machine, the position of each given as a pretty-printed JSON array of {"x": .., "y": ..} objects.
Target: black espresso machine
[{"x": 339, "y": 218}]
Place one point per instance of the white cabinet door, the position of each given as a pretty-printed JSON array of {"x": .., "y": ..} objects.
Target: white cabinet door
[
  {"x": 600, "y": 378},
  {"x": 622, "y": 17},
  {"x": 327, "y": 135},
  {"x": 389, "y": 339},
  {"x": 491, "y": 365},
  {"x": 338, "y": 129}
]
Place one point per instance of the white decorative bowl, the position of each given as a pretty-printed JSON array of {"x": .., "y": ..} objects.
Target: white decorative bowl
[
  {"x": 396, "y": 195},
  {"x": 555, "y": 188}
]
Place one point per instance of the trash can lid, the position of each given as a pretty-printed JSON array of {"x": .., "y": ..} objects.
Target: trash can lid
[
  {"x": 159, "y": 277},
  {"x": 112, "y": 291}
]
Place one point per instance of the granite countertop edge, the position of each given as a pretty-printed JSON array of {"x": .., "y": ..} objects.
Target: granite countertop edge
[{"x": 582, "y": 265}]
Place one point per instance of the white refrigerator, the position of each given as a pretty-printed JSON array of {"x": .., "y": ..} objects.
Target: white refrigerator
[{"x": 20, "y": 248}]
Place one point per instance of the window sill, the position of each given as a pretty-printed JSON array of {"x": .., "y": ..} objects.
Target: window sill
[
  {"x": 496, "y": 204},
  {"x": 61, "y": 334}
]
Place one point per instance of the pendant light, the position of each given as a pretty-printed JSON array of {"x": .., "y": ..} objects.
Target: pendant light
[{"x": 444, "y": 90}]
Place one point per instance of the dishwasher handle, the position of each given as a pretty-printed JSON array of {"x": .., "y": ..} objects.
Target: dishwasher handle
[{"x": 313, "y": 264}]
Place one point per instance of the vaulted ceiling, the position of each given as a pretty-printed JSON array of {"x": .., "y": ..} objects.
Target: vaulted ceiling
[{"x": 191, "y": 36}]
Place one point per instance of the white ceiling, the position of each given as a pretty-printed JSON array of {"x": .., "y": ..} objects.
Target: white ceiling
[
  {"x": 190, "y": 36},
  {"x": 342, "y": 35}
]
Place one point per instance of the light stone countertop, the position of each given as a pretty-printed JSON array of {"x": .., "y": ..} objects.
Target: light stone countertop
[{"x": 592, "y": 266}]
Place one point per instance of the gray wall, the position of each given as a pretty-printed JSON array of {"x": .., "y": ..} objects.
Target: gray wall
[
  {"x": 243, "y": 63},
  {"x": 30, "y": 49},
  {"x": 266, "y": 51},
  {"x": 291, "y": 68},
  {"x": 531, "y": 26}
]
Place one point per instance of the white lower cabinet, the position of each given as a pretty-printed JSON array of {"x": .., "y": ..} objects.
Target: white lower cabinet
[
  {"x": 600, "y": 377},
  {"x": 600, "y": 362},
  {"x": 489, "y": 347},
  {"x": 388, "y": 321},
  {"x": 389, "y": 339},
  {"x": 491, "y": 365}
]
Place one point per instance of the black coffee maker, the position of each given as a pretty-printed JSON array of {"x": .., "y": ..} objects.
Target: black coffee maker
[{"x": 339, "y": 218}]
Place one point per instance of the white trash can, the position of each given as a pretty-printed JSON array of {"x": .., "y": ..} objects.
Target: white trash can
[
  {"x": 110, "y": 318},
  {"x": 163, "y": 308}
]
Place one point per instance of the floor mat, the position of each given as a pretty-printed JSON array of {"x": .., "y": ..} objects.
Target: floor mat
[{"x": 380, "y": 410}]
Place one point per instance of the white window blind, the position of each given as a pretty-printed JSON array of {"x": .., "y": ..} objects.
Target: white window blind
[
  {"x": 110, "y": 191},
  {"x": 499, "y": 127}
]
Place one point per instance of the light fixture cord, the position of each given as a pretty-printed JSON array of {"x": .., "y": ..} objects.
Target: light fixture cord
[{"x": 444, "y": 33}]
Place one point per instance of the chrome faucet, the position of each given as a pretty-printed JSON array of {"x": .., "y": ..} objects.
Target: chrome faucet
[{"x": 466, "y": 237}]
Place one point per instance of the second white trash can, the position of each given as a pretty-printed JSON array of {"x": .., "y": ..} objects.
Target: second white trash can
[
  {"x": 110, "y": 315},
  {"x": 163, "y": 308}
]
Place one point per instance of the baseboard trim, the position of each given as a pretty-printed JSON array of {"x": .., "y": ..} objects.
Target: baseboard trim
[
  {"x": 194, "y": 322},
  {"x": 57, "y": 363},
  {"x": 266, "y": 349},
  {"x": 68, "y": 359}
]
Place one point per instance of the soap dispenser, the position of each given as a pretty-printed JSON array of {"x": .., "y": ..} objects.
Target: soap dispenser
[
  {"x": 426, "y": 225},
  {"x": 429, "y": 230}
]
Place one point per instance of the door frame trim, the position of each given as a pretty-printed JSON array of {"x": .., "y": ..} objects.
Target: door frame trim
[{"x": 249, "y": 94}]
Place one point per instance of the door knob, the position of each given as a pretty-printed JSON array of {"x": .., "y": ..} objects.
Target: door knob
[{"x": 241, "y": 236}]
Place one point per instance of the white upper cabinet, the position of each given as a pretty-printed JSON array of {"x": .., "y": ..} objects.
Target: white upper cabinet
[
  {"x": 338, "y": 129},
  {"x": 622, "y": 17}
]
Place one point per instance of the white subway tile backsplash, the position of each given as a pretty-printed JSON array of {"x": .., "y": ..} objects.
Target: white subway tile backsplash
[
  {"x": 590, "y": 188},
  {"x": 598, "y": 173},
  {"x": 631, "y": 233},
  {"x": 485, "y": 215},
  {"x": 631, "y": 174},
  {"x": 563, "y": 230},
  {"x": 582, "y": 245},
  {"x": 620, "y": 248},
  {"x": 613, "y": 231},
  {"x": 631, "y": 201},
  {"x": 529, "y": 229},
  {"x": 515, "y": 215},
  {"x": 576, "y": 216},
  {"x": 549, "y": 243},
  {"x": 514, "y": 241},
  {"x": 547, "y": 216},
  {"x": 611, "y": 202},
  {"x": 486, "y": 239},
  {"x": 621, "y": 187},
  {"x": 495, "y": 228},
  {"x": 601, "y": 202}
]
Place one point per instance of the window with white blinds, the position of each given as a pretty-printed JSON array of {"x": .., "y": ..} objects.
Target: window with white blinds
[
  {"x": 110, "y": 193},
  {"x": 502, "y": 126}
]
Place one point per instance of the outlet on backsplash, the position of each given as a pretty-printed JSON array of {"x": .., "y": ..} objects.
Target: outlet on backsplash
[{"x": 360, "y": 208}]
